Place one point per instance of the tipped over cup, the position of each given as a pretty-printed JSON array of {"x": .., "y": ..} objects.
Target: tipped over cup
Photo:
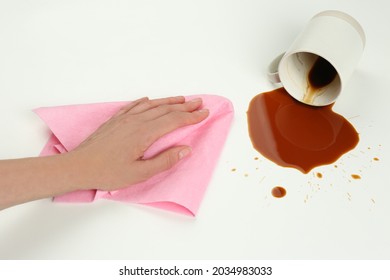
[{"x": 316, "y": 67}]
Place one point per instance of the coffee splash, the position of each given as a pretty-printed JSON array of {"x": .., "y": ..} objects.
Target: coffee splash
[{"x": 293, "y": 134}]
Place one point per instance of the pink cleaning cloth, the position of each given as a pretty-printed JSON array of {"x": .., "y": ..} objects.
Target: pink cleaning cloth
[{"x": 180, "y": 189}]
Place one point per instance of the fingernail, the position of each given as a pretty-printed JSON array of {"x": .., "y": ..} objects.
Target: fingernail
[
  {"x": 203, "y": 111},
  {"x": 185, "y": 152}
]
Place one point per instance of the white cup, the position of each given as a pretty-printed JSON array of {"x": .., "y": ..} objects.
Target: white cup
[{"x": 316, "y": 67}]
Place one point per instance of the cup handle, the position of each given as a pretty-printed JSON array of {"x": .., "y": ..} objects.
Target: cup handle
[{"x": 273, "y": 72}]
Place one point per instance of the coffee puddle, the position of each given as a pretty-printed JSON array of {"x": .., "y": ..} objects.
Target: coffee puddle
[{"x": 296, "y": 135}]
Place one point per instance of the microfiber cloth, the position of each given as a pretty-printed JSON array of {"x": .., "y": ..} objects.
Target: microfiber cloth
[{"x": 180, "y": 189}]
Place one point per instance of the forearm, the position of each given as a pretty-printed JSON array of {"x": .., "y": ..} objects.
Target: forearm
[{"x": 27, "y": 179}]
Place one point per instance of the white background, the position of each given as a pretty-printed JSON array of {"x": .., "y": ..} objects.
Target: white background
[{"x": 80, "y": 51}]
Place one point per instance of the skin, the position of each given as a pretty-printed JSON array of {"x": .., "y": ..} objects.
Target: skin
[{"x": 111, "y": 158}]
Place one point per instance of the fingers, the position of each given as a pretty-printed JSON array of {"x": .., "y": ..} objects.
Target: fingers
[
  {"x": 152, "y": 109},
  {"x": 131, "y": 105},
  {"x": 162, "y": 161},
  {"x": 159, "y": 111},
  {"x": 163, "y": 116},
  {"x": 172, "y": 121},
  {"x": 146, "y": 105}
]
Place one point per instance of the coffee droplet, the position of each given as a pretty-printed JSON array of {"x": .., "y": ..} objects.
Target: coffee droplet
[
  {"x": 356, "y": 176},
  {"x": 293, "y": 134},
  {"x": 278, "y": 192}
]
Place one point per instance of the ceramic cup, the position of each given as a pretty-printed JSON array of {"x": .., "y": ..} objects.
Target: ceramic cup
[{"x": 318, "y": 64}]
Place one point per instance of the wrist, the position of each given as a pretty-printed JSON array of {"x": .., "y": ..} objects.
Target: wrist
[
  {"x": 62, "y": 173},
  {"x": 78, "y": 172}
]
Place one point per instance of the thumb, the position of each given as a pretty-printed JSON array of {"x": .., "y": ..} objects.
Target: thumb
[{"x": 164, "y": 161}]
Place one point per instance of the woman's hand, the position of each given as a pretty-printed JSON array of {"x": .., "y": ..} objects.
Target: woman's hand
[{"x": 112, "y": 157}]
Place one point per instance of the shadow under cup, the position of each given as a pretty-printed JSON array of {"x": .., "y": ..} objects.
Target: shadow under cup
[{"x": 310, "y": 78}]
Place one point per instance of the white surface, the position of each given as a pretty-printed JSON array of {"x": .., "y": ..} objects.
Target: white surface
[{"x": 66, "y": 52}]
